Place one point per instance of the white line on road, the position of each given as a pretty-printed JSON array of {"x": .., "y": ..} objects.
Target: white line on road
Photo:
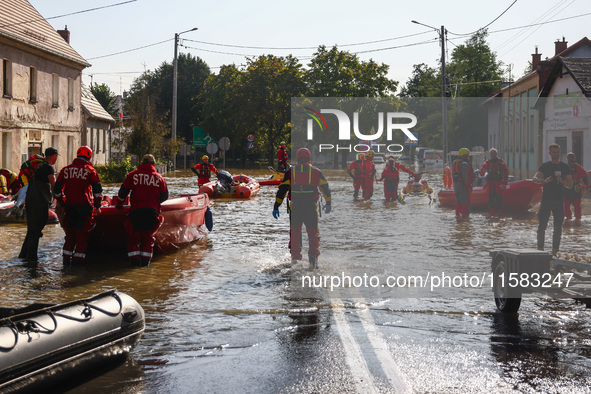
[{"x": 361, "y": 374}]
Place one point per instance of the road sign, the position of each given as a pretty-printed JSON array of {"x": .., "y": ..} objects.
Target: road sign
[
  {"x": 251, "y": 145},
  {"x": 250, "y": 138},
  {"x": 199, "y": 137},
  {"x": 224, "y": 143},
  {"x": 212, "y": 148},
  {"x": 409, "y": 142}
]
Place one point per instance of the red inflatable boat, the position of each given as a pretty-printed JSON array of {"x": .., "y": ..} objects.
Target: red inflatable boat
[
  {"x": 184, "y": 222},
  {"x": 518, "y": 196},
  {"x": 228, "y": 186}
]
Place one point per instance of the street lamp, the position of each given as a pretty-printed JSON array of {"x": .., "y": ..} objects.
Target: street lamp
[
  {"x": 174, "y": 88},
  {"x": 442, "y": 32}
]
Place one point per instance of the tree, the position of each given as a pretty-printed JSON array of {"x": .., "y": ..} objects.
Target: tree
[
  {"x": 106, "y": 97},
  {"x": 334, "y": 73},
  {"x": 424, "y": 82},
  {"x": 269, "y": 84},
  {"x": 148, "y": 130},
  {"x": 473, "y": 66}
]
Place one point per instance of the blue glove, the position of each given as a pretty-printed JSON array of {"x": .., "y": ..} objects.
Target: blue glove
[
  {"x": 327, "y": 208},
  {"x": 276, "y": 213}
]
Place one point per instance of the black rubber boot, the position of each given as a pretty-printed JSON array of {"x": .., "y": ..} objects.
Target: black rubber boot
[{"x": 313, "y": 262}]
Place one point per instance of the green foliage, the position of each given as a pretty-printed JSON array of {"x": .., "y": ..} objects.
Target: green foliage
[
  {"x": 424, "y": 82},
  {"x": 106, "y": 97},
  {"x": 114, "y": 172},
  {"x": 334, "y": 73}
]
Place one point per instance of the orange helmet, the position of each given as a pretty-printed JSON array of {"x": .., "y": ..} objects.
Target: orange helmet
[{"x": 85, "y": 152}]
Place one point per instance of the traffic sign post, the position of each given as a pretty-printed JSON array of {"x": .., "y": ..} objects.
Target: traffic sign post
[{"x": 224, "y": 145}]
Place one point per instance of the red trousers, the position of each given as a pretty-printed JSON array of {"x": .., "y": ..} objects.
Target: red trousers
[
  {"x": 576, "y": 204},
  {"x": 304, "y": 214},
  {"x": 77, "y": 227}
]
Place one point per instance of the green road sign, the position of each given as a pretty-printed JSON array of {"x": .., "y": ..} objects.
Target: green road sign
[{"x": 200, "y": 139}]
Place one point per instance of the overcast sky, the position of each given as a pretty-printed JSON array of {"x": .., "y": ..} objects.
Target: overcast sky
[{"x": 230, "y": 30}]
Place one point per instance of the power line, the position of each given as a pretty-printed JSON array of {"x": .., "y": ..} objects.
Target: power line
[
  {"x": 131, "y": 50},
  {"x": 306, "y": 48},
  {"x": 484, "y": 27},
  {"x": 71, "y": 13}
]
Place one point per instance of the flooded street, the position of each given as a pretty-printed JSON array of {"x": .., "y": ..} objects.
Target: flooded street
[{"x": 228, "y": 314}]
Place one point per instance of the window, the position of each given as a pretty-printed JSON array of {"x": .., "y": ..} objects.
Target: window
[
  {"x": 55, "y": 91},
  {"x": 33, "y": 85},
  {"x": 7, "y": 78},
  {"x": 70, "y": 94}
]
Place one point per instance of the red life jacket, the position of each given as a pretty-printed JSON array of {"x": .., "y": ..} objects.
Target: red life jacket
[
  {"x": 356, "y": 168},
  {"x": 29, "y": 166},
  {"x": 76, "y": 180},
  {"x": 204, "y": 169},
  {"x": 282, "y": 156},
  {"x": 496, "y": 172},
  {"x": 304, "y": 182},
  {"x": 146, "y": 185},
  {"x": 456, "y": 171},
  {"x": 391, "y": 172}
]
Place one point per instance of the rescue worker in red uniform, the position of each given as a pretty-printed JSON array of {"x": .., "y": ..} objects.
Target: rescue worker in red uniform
[
  {"x": 304, "y": 183},
  {"x": 369, "y": 174},
  {"x": 11, "y": 184},
  {"x": 148, "y": 191},
  {"x": 447, "y": 177},
  {"x": 355, "y": 171},
  {"x": 282, "y": 158},
  {"x": 78, "y": 189},
  {"x": 463, "y": 177},
  {"x": 580, "y": 181},
  {"x": 204, "y": 170},
  {"x": 497, "y": 178},
  {"x": 391, "y": 177}
]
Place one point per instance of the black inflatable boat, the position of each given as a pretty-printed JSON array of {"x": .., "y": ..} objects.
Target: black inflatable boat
[{"x": 44, "y": 345}]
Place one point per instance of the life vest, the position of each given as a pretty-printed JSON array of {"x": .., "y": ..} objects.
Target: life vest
[
  {"x": 10, "y": 176},
  {"x": 447, "y": 177},
  {"x": 356, "y": 168},
  {"x": 495, "y": 170},
  {"x": 28, "y": 167},
  {"x": 304, "y": 180},
  {"x": 204, "y": 170},
  {"x": 391, "y": 172},
  {"x": 282, "y": 156},
  {"x": 456, "y": 171}
]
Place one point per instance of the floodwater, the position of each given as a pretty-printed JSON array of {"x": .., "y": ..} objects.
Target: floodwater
[{"x": 228, "y": 314}]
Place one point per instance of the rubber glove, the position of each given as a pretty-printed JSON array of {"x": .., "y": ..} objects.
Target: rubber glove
[
  {"x": 327, "y": 208},
  {"x": 276, "y": 213}
]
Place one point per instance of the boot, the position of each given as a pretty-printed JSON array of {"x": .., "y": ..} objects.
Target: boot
[
  {"x": 355, "y": 195},
  {"x": 23, "y": 253},
  {"x": 144, "y": 262},
  {"x": 135, "y": 261},
  {"x": 491, "y": 212},
  {"x": 313, "y": 262},
  {"x": 31, "y": 253}
]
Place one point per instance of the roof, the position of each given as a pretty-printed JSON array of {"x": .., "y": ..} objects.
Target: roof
[
  {"x": 21, "y": 22},
  {"x": 93, "y": 108},
  {"x": 578, "y": 67}
]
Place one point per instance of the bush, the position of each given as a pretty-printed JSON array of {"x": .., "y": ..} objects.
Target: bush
[{"x": 116, "y": 171}]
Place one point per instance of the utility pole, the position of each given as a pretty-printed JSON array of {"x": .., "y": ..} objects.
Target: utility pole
[
  {"x": 443, "y": 94},
  {"x": 442, "y": 32},
  {"x": 174, "y": 87}
]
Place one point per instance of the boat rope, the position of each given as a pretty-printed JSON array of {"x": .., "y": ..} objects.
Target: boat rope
[{"x": 14, "y": 330}]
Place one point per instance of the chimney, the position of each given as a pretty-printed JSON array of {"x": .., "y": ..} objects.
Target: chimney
[
  {"x": 535, "y": 59},
  {"x": 65, "y": 34},
  {"x": 560, "y": 46}
]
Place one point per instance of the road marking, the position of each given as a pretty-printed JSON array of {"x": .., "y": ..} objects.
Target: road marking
[
  {"x": 363, "y": 377},
  {"x": 359, "y": 369},
  {"x": 383, "y": 354}
]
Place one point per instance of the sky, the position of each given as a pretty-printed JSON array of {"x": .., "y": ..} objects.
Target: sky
[{"x": 230, "y": 31}]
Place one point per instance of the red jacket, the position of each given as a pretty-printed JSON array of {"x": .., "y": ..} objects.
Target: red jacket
[
  {"x": 80, "y": 183},
  {"x": 282, "y": 156},
  {"x": 497, "y": 170},
  {"x": 148, "y": 188},
  {"x": 393, "y": 172},
  {"x": 204, "y": 170}
]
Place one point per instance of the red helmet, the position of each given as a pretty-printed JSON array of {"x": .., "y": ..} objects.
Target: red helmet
[
  {"x": 84, "y": 151},
  {"x": 303, "y": 153}
]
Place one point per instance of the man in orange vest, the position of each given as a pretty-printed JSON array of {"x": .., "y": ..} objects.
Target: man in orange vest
[
  {"x": 355, "y": 171},
  {"x": 304, "y": 183},
  {"x": 463, "y": 177},
  {"x": 204, "y": 170},
  {"x": 497, "y": 177}
]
